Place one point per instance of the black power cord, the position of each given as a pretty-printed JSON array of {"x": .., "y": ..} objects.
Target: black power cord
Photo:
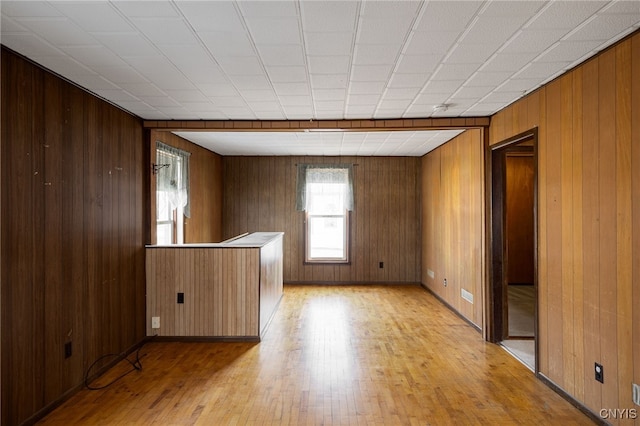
[{"x": 136, "y": 365}]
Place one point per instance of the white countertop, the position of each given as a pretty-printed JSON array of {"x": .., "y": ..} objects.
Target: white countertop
[{"x": 255, "y": 239}]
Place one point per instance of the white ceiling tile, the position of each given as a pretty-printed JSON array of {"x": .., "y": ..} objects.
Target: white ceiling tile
[
  {"x": 329, "y": 105},
  {"x": 360, "y": 73},
  {"x": 295, "y": 101},
  {"x": 538, "y": 70},
  {"x": 228, "y": 101},
  {"x": 170, "y": 79},
  {"x": 29, "y": 45},
  {"x": 430, "y": 43},
  {"x": 94, "y": 16},
  {"x": 469, "y": 53},
  {"x": 123, "y": 75},
  {"x": 567, "y": 51},
  {"x": 521, "y": 85},
  {"x": 366, "y": 100},
  {"x": 218, "y": 89},
  {"x": 493, "y": 31},
  {"x": 366, "y": 87},
  {"x": 329, "y": 16},
  {"x": 160, "y": 101},
  {"x": 58, "y": 31},
  {"x": 275, "y": 30},
  {"x": 454, "y": 72},
  {"x": 443, "y": 86},
  {"x": 329, "y": 64},
  {"x": 383, "y": 31},
  {"x": 488, "y": 78},
  {"x": 211, "y": 15},
  {"x": 564, "y": 15},
  {"x": 603, "y": 27},
  {"x": 94, "y": 83},
  {"x": 30, "y": 9},
  {"x": 250, "y": 82},
  {"x": 259, "y": 9},
  {"x": 623, "y": 7},
  {"x": 468, "y": 92},
  {"x": 264, "y": 106},
  {"x": 226, "y": 43},
  {"x": 510, "y": 9},
  {"x": 376, "y": 54},
  {"x": 397, "y": 104},
  {"x": 146, "y": 8},
  {"x": 508, "y": 62},
  {"x": 116, "y": 95},
  {"x": 64, "y": 65},
  {"x": 165, "y": 31},
  {"x": 258, "y": 95},
  {"x": 389, "y": 9},
  {"x": 94, "y": 57},
  {"x": 500, "y": 96},
  {"x": 329, "y": 94},
  {"x": 400, "y": 93},
  {"x": 241, "y": 65},
  {"x": 9, "y": 25},
  {"x": 327, "y": 44},
  {"x": 408, "y": 80},
  {"x": 533, "y": 41},
  {"x": 187, "y": 96},
  {"x": 411, "y": 64},
  {"x": 291, "y": 88},
  {"x": 126, "y": 44},
  {"x": 442, "y": 16},
  {"x": 281, "y": 55},
  {"x": 291, "y": 74},
  {"x": 142, "y": 90},
  {"x": 429, "y": 98},
  {"x": 329, "y": 81}
]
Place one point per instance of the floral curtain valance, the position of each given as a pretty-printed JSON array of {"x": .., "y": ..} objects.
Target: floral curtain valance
[
  {"x": 323, "y": 173},
  {"x": 174, "y": 177}
]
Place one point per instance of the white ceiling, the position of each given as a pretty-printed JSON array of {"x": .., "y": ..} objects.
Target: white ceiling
[{"x": 312, "y": 59}]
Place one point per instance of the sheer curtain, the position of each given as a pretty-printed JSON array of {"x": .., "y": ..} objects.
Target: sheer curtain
[
  {"x": 323, "y": 173},
  {"x": 174, "y": 178}
]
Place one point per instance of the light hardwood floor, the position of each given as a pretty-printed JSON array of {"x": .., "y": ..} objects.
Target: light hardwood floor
[{"x": 383, "y": 355}]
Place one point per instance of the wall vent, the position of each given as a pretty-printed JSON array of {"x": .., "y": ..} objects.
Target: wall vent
[
  {"x": 466, "y": 295},
  {"x": 431, "y": 274}
]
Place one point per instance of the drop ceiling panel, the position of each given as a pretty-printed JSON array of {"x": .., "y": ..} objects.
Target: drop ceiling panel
[{"x": 303, "y": 59}]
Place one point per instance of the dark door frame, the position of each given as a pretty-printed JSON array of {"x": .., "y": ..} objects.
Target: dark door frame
[{"x": 496, "y": 225}]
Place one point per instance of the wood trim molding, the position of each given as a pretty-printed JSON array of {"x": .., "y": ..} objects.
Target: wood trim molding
[{"x": 319, "y": 125}]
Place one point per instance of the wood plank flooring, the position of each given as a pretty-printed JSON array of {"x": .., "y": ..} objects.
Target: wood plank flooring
[{"x": 379, "y": 355}]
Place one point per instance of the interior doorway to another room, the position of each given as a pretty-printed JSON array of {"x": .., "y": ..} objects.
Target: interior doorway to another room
[{"x": 513, "y": 292}]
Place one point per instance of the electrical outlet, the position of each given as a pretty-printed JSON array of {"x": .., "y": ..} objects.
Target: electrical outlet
[
  {"x": 180, "y": 297},
  {"x": 155, "y": 322},
  {"x": 68, "y": 350},
  {"x": 444, "y": 282},
  {"x": 636, "y": 394},
  {"x": 599, "y": 372}
]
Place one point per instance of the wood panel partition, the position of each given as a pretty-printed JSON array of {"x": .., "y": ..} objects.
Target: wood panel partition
[
  {"x": 385, "y": 224},
  {"x": 588, "y": 124},
  {"x": 72, "y": 236},
  {"x": 229, "y": 289},
  {"x": 452, "y": 185}
]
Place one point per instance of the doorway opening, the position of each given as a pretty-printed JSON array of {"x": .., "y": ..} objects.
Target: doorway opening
[{"x": 512, "y": 255}]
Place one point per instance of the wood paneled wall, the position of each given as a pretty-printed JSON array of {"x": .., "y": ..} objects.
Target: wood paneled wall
[
  {"x": 588, "y": 223},
  {"x": 72, "y": 235},
  {"x": 452, "y": 185},
  {"x": 385, "y": 225},
  {"x": 205, "y": 186}
]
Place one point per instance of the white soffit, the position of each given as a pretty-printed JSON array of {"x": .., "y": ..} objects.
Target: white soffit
[{"x": 378, "y": 143}]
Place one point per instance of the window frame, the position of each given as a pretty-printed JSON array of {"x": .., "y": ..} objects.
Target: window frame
[{"x": 346, "y": 241}]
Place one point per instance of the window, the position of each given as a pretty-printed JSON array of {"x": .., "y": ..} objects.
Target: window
[
  {"x": 172, "y": 193},
  {"x": 325, "y": 194}
]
